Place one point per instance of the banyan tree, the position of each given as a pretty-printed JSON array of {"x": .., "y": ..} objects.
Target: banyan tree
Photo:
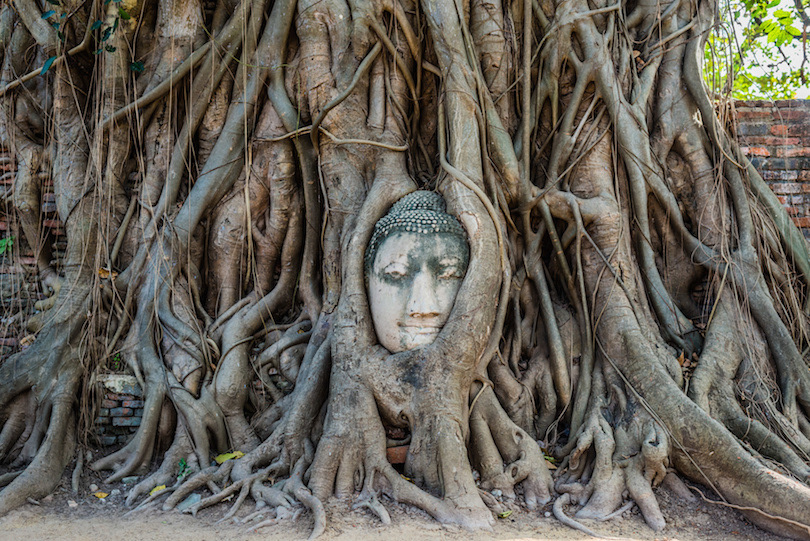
[{"x": 616, "y": 288}]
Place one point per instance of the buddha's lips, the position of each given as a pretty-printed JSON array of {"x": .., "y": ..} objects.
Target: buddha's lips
[{"x": 421, "y": 329}]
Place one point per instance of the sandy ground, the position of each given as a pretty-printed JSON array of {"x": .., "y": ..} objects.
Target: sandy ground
[{"x": 92, "y": 519}]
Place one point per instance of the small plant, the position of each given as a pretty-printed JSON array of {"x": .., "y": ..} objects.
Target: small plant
[
  {"x": 117, "y": 363},
  {"x": 6, "y": 244},
  {"x": 184, "y": 469}
]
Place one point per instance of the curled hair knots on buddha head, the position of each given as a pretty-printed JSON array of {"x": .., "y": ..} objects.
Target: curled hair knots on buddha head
[{"x": 420, "y": 212}]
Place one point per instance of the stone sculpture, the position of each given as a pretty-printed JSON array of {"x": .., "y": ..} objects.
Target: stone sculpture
[{"x": 415, "y": 263}]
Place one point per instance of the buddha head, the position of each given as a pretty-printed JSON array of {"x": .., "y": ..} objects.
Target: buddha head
[{"x": 415, "y": 263}]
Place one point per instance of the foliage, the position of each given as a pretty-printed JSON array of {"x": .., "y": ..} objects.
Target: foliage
[
  {"x": 6, "y": 244},
  {"x": 759, "y": 50}
]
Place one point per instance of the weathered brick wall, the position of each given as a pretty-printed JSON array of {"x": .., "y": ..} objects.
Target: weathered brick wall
[
  {"x": 776, "y": 137},
  {"x": 121, "y": 408}
]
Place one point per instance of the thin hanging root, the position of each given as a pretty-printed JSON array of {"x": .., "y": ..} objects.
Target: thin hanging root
[{"x": 756, "y": 510}]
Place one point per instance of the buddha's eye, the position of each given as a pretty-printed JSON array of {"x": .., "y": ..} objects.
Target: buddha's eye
[
  {"x": 395, "y": 274},
  {"x": 450, "y": 273}
]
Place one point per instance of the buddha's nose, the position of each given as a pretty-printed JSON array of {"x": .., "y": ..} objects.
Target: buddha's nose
[{"x": 423, "y": 301}]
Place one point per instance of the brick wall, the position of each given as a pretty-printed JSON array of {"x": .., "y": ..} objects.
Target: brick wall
[
  {"x": 776, "y": 137},
  {"x": 120, "y": 410}
]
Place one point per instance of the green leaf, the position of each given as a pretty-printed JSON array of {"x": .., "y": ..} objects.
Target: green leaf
[
  {"x": 109, "y": 48},
  {"x": 779, "y": 13},
  {"x": 55, "y": 2},
  {"x": 106, "y": 34},
  {"x": 793, "y": 31},
  {"x": 6, "y": 244},
  {"x": 124, "y": 14},
  {"x": 48, "y": 14},
  {"x": 136, "y": 66},
  {"x": 47, "y": 65}
]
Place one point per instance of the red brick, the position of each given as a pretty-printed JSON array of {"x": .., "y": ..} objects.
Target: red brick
[
  {"x": 109, "y": 404},
  {"x": 790, "y": 104},
  {"x": 752, "y": 103},
  {"x": 132, "y": 403},
  {"x": 397, "y": 455},
  {"x": 782, "y": 199},
  {"x": 756, "y": 151},
  {"x": 786, "y": 187},
  {"x": 779, "y": 129},
  {"x": 779, "y": 176},
  {"x": 753, "y": 113},
  {"x": 804, "y": 176},
  {"x": 791, "y": 114},
  {"x": 802, "y": 222},
  {"x": 792, "y": 152},
  {"x": 771, "y": 140}
]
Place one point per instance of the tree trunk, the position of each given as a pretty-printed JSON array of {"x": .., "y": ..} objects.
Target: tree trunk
[{"x": 635, "y": 305}]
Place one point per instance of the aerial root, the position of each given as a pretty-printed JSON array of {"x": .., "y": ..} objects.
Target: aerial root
[
  {"x": 7, "y": 478},
  {"x": 150, "y": 500},
  {"x": 559, "y": 514},
  {"x": 372, "y": 503},
  {"x": 500, "y": 441},
  {"x": 225, "y": 493},
  {"x": 212, "y": 474},
  {"x": 77, "y": 472},
  {"x": 490, "y": 501},
  {"x": 265, "y": 495},
  {"x": 675, "y": 484},
  {"x": 167, "y": 473},
  {"x": 296, "y": 486}
]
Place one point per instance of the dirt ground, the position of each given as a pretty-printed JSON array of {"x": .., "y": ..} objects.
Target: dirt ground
[{"x": 78, "y": 517}]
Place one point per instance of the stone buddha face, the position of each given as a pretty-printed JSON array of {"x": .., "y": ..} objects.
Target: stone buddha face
[{"x": 415, "y": 264}]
